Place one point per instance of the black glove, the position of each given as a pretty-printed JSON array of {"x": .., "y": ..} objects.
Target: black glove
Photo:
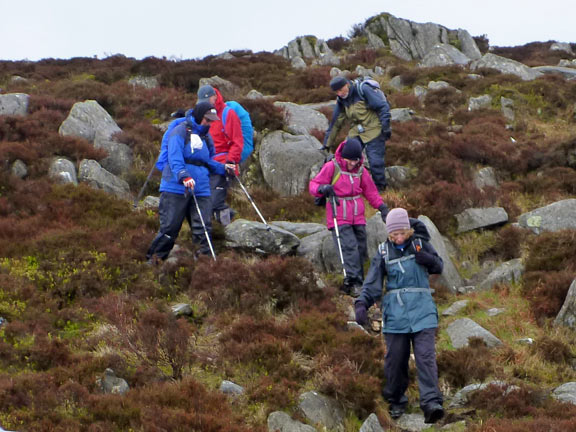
[
  {"x": 327, "y": 190},
  {"x": 383, "y": 209},
  {"x": 387, "y": 134},
  {"x": 361, "y": 312},
  {"x": 425, "y": 258}
]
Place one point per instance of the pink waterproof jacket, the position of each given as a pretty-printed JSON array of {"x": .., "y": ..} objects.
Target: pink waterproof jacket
[{"x": 349, "y": 188}]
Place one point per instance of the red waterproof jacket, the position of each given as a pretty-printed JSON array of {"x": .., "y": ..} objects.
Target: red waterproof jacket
[{"x": 228, "y": 141}]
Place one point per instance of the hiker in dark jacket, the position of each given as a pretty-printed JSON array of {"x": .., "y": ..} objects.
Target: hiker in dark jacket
[
  {"x": 187, "y": 172},
  {"x": 228, "y": 144},
  {"x": 369, "y": 119},
  {"x": 409, "y": 314},
  {"x": 346, "y": 179}
]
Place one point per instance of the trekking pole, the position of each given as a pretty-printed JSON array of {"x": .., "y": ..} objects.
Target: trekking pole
[
  {"x": 203, "y": 225},
  {"x": 333, "y": 202},
  {"x": 252, "y": 201},
  {"x": 139, "y": 197}
]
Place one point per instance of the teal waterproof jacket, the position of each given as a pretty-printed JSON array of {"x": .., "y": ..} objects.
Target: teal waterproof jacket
[{"x": 407, "y": 304}]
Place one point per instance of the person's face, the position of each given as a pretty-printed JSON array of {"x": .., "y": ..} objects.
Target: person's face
[
  {"x": 205, "y": 122},
  {"x": 212, "y": 99},
  {"x": 351, "y": 163},
  {"x": 343, "y": 92},
  {"x": 399, "y": 236}
]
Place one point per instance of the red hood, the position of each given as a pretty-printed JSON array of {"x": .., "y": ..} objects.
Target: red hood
[
  {"x": 342, "y": 162},
  {"x": 219, "y": 104}
]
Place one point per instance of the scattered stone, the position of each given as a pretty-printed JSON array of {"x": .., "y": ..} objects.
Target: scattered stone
[
  {"x": 151, "y": 202},
  {"x": 562, "y": 46},
  {"x": 230, "y": 388},
  {"x": 492, "y": 312},
  {"x": 401, "y": 115},
  {"x": 318, "y": 408},
  {"x": 14, "y": 104},
  {"x": 507, "y": 273},
  {"x": 254, "y": 94},
  {"x": 110, "y": 383},
  {"x": 553, "y": 217},
  {"x": 412, "y": 423},
  {"x": 181, "y": 309},
  {"x": 279, "y": 421},
  {"x": 300, "y": 119},
  {"x": 507, "y": 108},
  {"x": 464, "y": 328},
  {"x": 256, "y": 237},
  {"x": 300, "y": 229},
  {"x": 480, "y": 102},
  {"x": 19, "y": 169},
  {"x": 566, "y": 393},
  {"x": 88, "y": 120},
  {"x": 62, "y": 171},
  {"x": 371, "y": 424},
  {"x": 485, "y": 177},
  {"x": 455, "y": 308},
  {"x": 147, "y": 82},
  {"x": 505, "y": 66},
  {"x": 95, "y": 176},
  {"x": 479, "y": 218},
  {"x": 567, "y": 315},
  {"x": 526, "y": 341}
]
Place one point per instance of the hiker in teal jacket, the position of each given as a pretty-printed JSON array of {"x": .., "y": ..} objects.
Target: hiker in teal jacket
[{"x": 409, "y": 312}]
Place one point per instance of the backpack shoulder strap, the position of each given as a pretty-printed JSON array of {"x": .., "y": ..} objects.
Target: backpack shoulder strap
[
  {"x": 417, "y": 244},
  {"x": 383, "y": 251},
  {"x": 337, "y": 172}
]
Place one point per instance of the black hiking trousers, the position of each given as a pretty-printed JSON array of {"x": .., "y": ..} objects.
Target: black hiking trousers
[
  {"x": 396, "y": 368},
  {"x": 173, "y": 209}
]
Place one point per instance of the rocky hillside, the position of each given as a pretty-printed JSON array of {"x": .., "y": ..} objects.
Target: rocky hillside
[{"x": 483, "y": 151}]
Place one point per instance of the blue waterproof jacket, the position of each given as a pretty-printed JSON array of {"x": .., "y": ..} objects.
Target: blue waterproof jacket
[
  {"x": 190, "y": 152},
  {"x": 407, "y": 305}
]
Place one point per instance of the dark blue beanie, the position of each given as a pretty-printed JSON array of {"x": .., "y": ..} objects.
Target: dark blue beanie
[
  {"x": 338, "y": 82},
  {"x": 352, "y": 149}
]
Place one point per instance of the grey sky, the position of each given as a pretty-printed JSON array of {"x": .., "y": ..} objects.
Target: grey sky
[{"x": 37, "y": 29}]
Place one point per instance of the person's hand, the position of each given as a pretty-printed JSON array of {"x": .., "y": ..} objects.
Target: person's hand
[
  {"x": 189, "y": 183},
  {"x": 424, "y": 258},
  {"x": 361, "y": 312},
  {"x": 230, "y": 168},
  {"x": 327, "y": 190},
  {"x": 383, "y": 209},
  {"x": 387, "y": 134}
]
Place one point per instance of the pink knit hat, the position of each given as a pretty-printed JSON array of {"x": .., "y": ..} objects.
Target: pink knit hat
[{"x": 397, "y": 219}]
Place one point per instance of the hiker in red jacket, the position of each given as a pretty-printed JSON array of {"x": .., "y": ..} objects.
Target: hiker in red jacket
[
  {"x": 228, "y": 143},
  {"x": 349, "y": 187}
]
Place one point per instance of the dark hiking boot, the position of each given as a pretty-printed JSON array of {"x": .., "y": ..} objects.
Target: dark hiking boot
[
  {"x": 345, "y": 289},
  {"x": 396, "y": 411},
  {"x": 433, "y": 413},
  {"x": 356, "y": 290}
]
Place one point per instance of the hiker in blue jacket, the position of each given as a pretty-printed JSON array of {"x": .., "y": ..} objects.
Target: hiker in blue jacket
[
  {"x": 190, "y": 151},
  {"x": 409, "y": 314},
  {"x": 364, "y": 106}
]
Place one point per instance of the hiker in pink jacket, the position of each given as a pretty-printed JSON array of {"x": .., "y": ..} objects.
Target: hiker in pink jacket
[{"x": 346, "y": 179}]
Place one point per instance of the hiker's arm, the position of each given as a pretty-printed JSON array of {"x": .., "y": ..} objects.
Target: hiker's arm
[
  {"x": 370, "y": 191},
  {"x": 233, "y": 131},
  {"x": 322, "y": 178},
  {"x": 338, "y": 119},
  {"x": 176, "y": 145},
  {"x": 376, "y": 100},
  {"x": 433, "y": 261},
  {"x": 374, "y": 282}
]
